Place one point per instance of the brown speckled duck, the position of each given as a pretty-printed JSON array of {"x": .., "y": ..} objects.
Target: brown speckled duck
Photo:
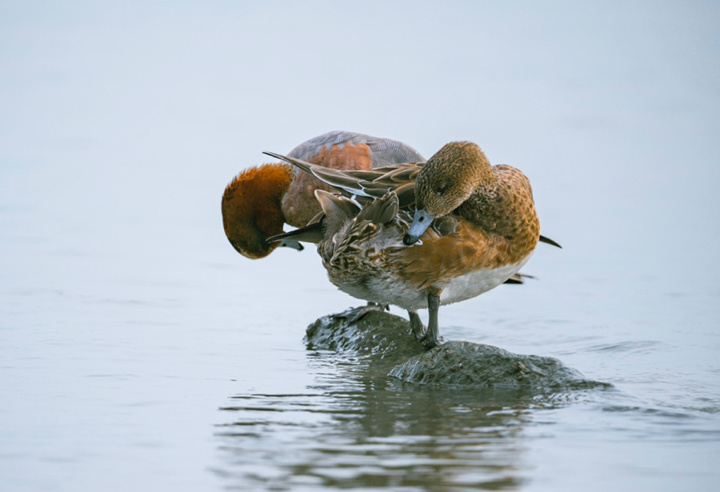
[{"x": 423, "y": 235}]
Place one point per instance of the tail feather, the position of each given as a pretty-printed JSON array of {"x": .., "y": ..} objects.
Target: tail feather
[
  {"x": 518, "y": 278},
  {"x": 333, "y": 177},
  {"x": 305, "y": 166},
  {"x": 547, "y": 240}
]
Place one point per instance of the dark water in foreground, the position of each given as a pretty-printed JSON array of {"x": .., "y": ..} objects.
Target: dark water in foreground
[{"x": 138, "y": 351}]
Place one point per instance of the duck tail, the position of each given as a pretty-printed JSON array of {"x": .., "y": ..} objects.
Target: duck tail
[
  {"x": 549, "y": 241},
  {"x": 305, "y": 166},
  {"x": 343, "y": 181},
  {"x": 518, "y": 278}
]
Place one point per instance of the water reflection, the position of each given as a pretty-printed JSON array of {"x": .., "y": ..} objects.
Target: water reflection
[{"x": 356, "y": 428}]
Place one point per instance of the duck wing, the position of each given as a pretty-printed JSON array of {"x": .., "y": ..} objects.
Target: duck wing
[
  {"x": 367, "y": 184},
  {"x": 383, "y": 151}
]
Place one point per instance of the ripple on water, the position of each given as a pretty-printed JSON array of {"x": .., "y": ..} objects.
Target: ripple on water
[
  {"x": 388, "y": 437},
  {"x": 356, "y": 426},
  {"x": 639, "y": 346}
]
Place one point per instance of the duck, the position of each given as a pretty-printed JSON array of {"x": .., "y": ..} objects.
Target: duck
[
  {"x": 259, "y": 201},
  {"x": 422, "y": 235}
]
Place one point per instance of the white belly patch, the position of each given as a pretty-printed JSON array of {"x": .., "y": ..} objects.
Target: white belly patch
[
  {"x": 394, "y": 291},
  {"x": 473, "y": 284}
]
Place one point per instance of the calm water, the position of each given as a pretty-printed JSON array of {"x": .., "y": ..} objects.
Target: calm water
[{"x": 139, "y": 351}]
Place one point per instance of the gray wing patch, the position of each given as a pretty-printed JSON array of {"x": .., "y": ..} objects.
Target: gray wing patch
[{"x": 384, "y": 151}]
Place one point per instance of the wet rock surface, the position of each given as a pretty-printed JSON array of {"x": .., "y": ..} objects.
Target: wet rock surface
[
  {"x": 390, "y": 348},
  {"x": 472, "y": 364},
  {"x": 366, "y": 332}
]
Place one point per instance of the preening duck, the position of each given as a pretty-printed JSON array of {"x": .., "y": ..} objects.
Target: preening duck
[
  {"x": 261, "y": 200},
  {"x": 423, "y": 235}
]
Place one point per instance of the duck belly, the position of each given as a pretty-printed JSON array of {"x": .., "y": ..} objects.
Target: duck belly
[
  {"x": 384, "y": 289},
  {"x": 387, "y": 287},
  {"x": 478, "y": 282}
]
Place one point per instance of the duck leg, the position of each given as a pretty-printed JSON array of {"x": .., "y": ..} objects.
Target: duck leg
[
  {"x": 417, "y": 326},
  {"x": 431, "y": 338}
]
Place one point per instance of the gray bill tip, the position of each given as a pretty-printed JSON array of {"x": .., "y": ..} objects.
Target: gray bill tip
[
  {"x": 409, "y": 239},
  {"x": 421, "y": 221}
]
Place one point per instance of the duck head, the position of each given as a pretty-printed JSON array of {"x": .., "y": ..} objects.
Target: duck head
[
  {"x": 252, "y": 211},
  {"x": 448, "y": 178}
]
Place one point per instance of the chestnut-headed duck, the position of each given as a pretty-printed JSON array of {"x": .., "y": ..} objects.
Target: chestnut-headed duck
[
  {"x": 260, "y": 200},
  {"x": 423, "y": 235}
]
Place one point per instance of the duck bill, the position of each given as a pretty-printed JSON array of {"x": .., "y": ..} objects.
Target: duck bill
[
  {"x": 289, "y": 243},
  {"x": 420, "y": 223}
]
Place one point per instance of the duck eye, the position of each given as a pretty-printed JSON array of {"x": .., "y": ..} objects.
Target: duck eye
[{"x": 441, "y": 190}]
